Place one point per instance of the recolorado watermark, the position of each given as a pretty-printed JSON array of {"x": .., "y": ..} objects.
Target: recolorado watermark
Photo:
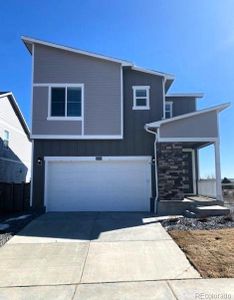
[{"x": 213, "y": 296}]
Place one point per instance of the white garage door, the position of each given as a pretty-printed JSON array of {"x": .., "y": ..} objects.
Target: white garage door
[{"x": 86, "y": 184}]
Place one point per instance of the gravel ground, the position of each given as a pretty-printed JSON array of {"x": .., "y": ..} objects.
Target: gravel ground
[
  {"x": 183, "y": 223},
  {"x": 11, "y": 223}
]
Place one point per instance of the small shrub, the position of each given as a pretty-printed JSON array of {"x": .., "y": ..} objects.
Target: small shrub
[{"x": 228, "y": 218}]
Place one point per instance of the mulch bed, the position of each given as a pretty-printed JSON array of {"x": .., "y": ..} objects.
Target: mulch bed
[{"x": 12, "y": 223}]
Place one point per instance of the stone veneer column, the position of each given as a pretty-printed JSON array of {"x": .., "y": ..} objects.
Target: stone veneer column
[{"x": 170, "y": 171}]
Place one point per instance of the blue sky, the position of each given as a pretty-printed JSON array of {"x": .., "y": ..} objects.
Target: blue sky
[{"x": 192, "y": 39}]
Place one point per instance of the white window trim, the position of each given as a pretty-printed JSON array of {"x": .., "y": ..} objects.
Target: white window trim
[
  {"x": 171, "y": 108},
  {"x": 141, "y": 87},
  {"x": 65, "y": 118}
]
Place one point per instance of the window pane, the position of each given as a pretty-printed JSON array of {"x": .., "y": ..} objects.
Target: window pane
[
  {"x": 74, "y": 102},
  {"x": 140, "y": 93},
  {"x": 167, "y": 114},
  {"x": 58, "y": 102},
  {"x": 141, "y": 102},
  {"x": 168, "y": 107},
  {"x": 6, "y": 137}
]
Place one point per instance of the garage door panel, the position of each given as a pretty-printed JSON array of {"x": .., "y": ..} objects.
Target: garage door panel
[{"x": 98, "y": 185}]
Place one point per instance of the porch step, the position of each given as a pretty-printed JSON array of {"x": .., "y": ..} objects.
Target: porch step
[
  {"x": 204, "y": 201},
  {"x": 210, "y": 211}
]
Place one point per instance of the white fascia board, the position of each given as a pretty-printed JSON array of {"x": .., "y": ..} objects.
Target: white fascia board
[
  {"x": 187, "y": 139},
  {"x": 75, "y": 137},
  {"x": 189, "y": 95},
  {"x": 20, "y": 112},
  {"x": 167, "y": 76},
  {"x": 217, "y": 108},
  {"x": 5, "y": 94},
  {"x": 36, "y": 41}
]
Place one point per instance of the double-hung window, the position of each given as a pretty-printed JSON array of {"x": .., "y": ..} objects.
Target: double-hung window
[
  {"x": 168, "y": 109},
  {"x": 66, "y": 102},
  {"x": 141, "y": 97},
  {"x": 6, "y": 138}
]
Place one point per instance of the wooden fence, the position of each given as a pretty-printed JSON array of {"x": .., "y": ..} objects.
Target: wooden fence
[{"x": 14, "y": 197}]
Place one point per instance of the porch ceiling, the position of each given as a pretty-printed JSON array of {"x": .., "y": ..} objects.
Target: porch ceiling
[{"x": 195, "y": 145}]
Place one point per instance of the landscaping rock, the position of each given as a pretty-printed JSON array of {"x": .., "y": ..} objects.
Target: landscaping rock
[{"x": 184, "y": 223}]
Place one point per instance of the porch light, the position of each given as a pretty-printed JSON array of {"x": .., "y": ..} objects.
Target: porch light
[{"x": 39, "y": 161}]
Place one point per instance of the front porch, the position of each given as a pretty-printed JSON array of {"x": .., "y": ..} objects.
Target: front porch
[
  {"x": 178, "y": 172},
  {"x": 180, "y": 188},
  {"x": 177, "y": 144}
]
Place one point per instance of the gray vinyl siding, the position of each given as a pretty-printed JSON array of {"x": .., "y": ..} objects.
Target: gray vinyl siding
[
  {"x": 200, "y": 126},
  {"x": 136, "y": 141},
  {"x": 40, "y": 123},
  {"x": 182, "y": 105},
  {"x": 102, "y": 91}
]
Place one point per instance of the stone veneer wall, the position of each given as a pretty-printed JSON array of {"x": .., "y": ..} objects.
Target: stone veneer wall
[{"x": 170, "y": 171}]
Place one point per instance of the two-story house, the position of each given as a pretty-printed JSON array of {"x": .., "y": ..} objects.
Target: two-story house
[
  {"x": 15, "y": 144},
  {"x": 107, "y": 136}
]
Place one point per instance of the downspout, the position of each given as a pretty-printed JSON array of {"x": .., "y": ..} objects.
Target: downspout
[{"x": 155, "y": 169}]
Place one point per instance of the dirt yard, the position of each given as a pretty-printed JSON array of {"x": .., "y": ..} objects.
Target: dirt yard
[{"x": 210, "y": 251}]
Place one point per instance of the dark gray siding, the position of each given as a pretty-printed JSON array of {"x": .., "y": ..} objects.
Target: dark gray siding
[
  {"x": 136, "y": 140},
  {"x": 182, "y": 105}
]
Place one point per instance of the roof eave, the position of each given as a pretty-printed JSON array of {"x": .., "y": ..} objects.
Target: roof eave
[
  {"x": 29, "y": 41},
  {"x": 161, "y": 74},
  {"x": 217, "y": 108},
  {"x": 188, "y": 95}
]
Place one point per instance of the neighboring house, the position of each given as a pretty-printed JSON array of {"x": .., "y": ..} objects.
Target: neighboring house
[
  {"x": 107, "y": 136},
  {"x": 15, "y": 144}
]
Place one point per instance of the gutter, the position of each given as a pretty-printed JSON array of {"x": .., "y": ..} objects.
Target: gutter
[{"x": 155, "y": 169}]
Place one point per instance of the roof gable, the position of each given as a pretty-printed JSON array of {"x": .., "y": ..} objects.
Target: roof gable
[
  {"x": 30, "y": 41},
  {"x": 17, "y": 111}
]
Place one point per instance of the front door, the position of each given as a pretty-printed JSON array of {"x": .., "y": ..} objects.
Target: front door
[{"x": 188, "y": 171}]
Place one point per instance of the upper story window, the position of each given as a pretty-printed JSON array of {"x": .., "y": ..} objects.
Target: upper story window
[
  {"x": 168, "y": 110},
  {"x": 141, "y": 97},
  {"x": 66, "y": 102},
  {"x": 6, "y": 138}
]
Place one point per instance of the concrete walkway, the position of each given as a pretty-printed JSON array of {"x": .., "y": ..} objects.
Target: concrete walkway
[{"x": 98, "y": 256}]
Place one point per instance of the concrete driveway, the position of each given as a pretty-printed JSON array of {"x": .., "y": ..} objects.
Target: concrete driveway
[{"x": 92, "y": 256}]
